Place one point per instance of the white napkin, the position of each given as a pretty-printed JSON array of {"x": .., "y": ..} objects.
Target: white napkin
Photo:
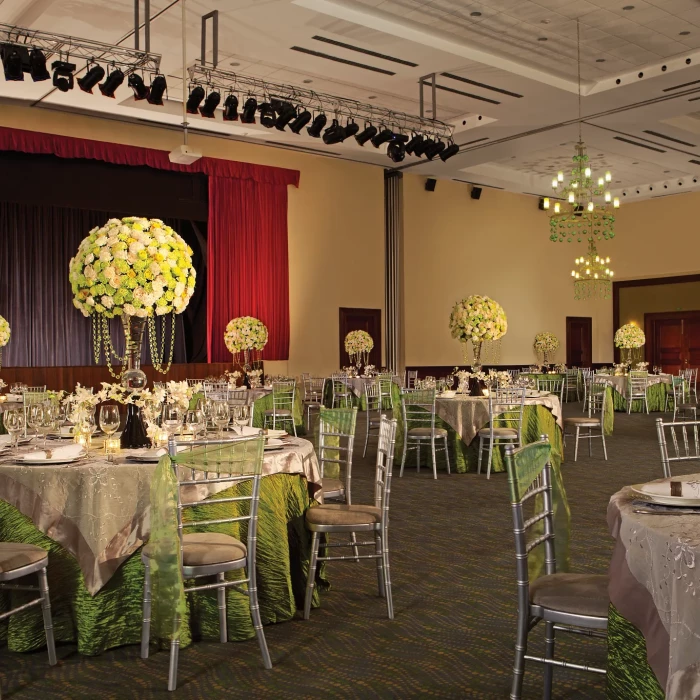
[
  {"x": 63, "y": 452},
  {"x": 249, "y": 430},
  {"x": 5, "y": 440},
  {"x": 156, "y": 452},
  {"x": 14, "y": 397}
]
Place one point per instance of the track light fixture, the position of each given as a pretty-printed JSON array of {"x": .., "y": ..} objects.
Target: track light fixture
[
  {"x": 382, "y": 137},
  {"x": 141, "y": 90},
  {"x": 114, "y": 80},
  {"x": 249, "y": 109},
  {"x": 434, "y": 149},
  {"x": 208, "y": 109},
  {"x": 12, "y": 63},
  {"x": 451, "y": 150},
  {"x": 195, "y": 98},
  {"x": 285, "y": 115},
  {"x": 37, "y": 66},
  {"x": 420, "y": 149},
  {"x": 414, "y": 141},
  {"x": 91, "y": 78},
  {"x": 334, "y": 134},
  {"x": 351, "y": 128},
  {"x": 301, "y": 120},
  {"x": 63, "y": 75},
  {"x": 396, "y": 150},
  {"x": 316, "y": 125},
  {"x": 267, "y": 115},
  {"x": 158, "y": 88},
  {"x": 368, "y": 133},
  {"x": 231, "y": 109}
]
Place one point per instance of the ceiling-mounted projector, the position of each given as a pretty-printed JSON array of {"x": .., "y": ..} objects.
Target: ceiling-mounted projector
[{"x": 184, "y": 155}]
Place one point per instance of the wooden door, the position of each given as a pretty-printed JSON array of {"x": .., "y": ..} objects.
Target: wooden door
[
  {"x": 369, "y": 320},
  {"x": 673, "y": 340},
  {"x": 579, "y": 341}
]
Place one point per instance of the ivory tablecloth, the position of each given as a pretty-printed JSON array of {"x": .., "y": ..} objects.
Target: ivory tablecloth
[{"x": 620, "y": 383}]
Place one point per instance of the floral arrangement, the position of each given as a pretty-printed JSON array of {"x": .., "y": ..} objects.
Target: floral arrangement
[
  {"x": 478, "y": 318},
  {"x": 245, "y": 333},
  {"x": 560, "y": 368},
  {"x": 358, "y": 344},
  {"x": 149, "y": 401},
  {"x": 4, "y": 332},
  {"x": 498, "y": 378},
  {"x": 349, "y": 371},
  {"x": 255, "y": 378},
  {"x": 370, "y": 371},
  {"x": 132, "y": 266},
  {"x": 629, "y": 336},
  {"x": 642, "y": 366},
  {"x": 181, "y": 393},
  {"x": 3, "y": 384},
  {"x": 231, "y": 378},
  {"x": 81, "y": 404},
  {"x": 463, "y": 377},
  {"x": 546, "y": 343}
]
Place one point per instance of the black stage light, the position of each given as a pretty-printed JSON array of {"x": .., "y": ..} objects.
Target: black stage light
[
  {"x": 366, "y": 134},
  {"x": 302, "y": 119},
  {"x": 91, "y": 78},
  {"x": 267, "y": 115},
  {"x": 158, "y": 88},
  {"x": 114, "y": 80},
  {"x": 37, "y": 66},
  {"x": 316, "y": 125},
  {"x": 231, "y": 109},
  {"x": 434, "y": 149},
  {"x": 351, "y": 129},
  {"x": 248, "y": 111},
  {"x": 396, "y": 150},
  {"x": 208, "y": 109},
  {"x": 285, "y": 116},
  {"x": 12, "y": 63},
  {"x": 281, "y": 106},
  {"x": 195, "y": 98},
  {"x": 411, "y": 145},
  {"x": 420, "y": 149},
  {"x": 334, "y": 134},
  {"x": 451, "y": 150},
  {"x": 141, "y": 90},
  {"x": 382, "y": 137},
  {"x": 63, "y": 75}
]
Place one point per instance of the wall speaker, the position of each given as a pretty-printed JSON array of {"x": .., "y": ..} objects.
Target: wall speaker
[
  {"x": 430, "y": 184},
  {"x": 476, "y": 192}
]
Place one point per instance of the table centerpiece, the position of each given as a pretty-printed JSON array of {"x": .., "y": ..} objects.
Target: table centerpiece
[
  {"x": 4, "y": 336},
  {"x": 545, "y": 346},
  {"x": 629, "y": 338},
  {"x": 245, "y": 338},
  {"x": 477, "y": 319},
  {"x": 358, "y": 345}
]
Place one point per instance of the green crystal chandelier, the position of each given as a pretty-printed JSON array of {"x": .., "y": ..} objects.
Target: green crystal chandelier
[{"x": 592, "y": 276}]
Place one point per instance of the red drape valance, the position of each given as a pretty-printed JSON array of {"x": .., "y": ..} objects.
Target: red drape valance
[{"x": 247, "y": 260}]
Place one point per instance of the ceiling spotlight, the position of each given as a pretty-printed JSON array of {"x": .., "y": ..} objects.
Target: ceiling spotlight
[
  {"x": 208, "y": 109},
  {"x": 141, "y": 90},
  {"x": 366, "y": 134},
  {"x": 267, "y": 115},
  {"x": 318, "y": 123},
  {"x": 434, "y": 149},
  {"x": 421, "y": 148},
  {"x": 396, "y": 150},
  {"x": 351, "y": 129},
  {"x": 301, "y": 120},
  {"x": 382, "y": 137},
  {"x": 334, "y": 134},
  {"x": 158, "y": 88},
  {"x": 114, "y": 80},
  {"x": 63, "y": 75},
  {"x": 37, "y": 66},
  {"x": 415, "y": 141},
  {"x": 231, "y": 109},
  {"x": 194, "y": 100},
  {"x": 12, "y": 63},
  {"x": 248, "y": 112},
  {"x": 285, "y": 115},
  {"x": 451, "y": 150},
  {"x": 91, "y": 78}
]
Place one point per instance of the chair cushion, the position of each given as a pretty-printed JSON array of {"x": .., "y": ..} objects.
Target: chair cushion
[
  {"x": 425, "y": 432},
  {"x": 332, "y": 485},
  {"x": 279, "y": 412},
  {"x": 500, "y": 432},
  {"x": 15, "y": 555},
  {"x": 583, "y": 421},
  {"x": 341, "y": 514},
  {"x": 204, "y": 548},
  {"x": 580, "y": 594}
]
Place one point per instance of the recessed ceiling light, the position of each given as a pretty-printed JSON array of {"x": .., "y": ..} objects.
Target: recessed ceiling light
[
  {"x": 545, "y": 21},
  {"x": 372, "y": 97},
  {"x": 308, "y": 80},
  {"x": 635, "y": 163},
  {"x": 683, "y": 33},
  {"x": 667, "y": 171},
  {"x": 475, "y": 14},
  {"x": 600, "y": 60},
  {"x": 541, "y": 38},
  {"x": 628, "y": 7},
  {"x": 235, "y": 63}
]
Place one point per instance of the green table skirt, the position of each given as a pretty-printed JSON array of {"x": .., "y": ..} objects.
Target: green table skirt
[
  {"x": 113, "y": 616},
  {"x": 265, "y": 404},
  {"x": 629, "y": 675},
  {"x": 656, "y": 398},
  {"x": 358, "y": 401}
]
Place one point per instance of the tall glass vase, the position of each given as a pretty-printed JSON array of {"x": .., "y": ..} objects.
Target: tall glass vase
[
  {"x": 134, "y": 378},
  {"x": 476, "y": 362}
]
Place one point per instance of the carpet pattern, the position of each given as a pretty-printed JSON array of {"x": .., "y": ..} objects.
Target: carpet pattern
[{"x": 453, "y": 574}]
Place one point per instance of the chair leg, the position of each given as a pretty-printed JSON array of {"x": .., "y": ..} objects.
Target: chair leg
[
  {"x": 294, "y": 425},
  {"x": 403, "y": 456},
  {"x": 548, "y": 654},
  {"x": 488, "y": 466},
  {"x": 146, "y": 610},
  {"x": 481, "y": 451},
  {"x": 257, "y": 622},
  {"x": 364, "y": 452},
  {"x": 174, "y": 655},
  {"x": 418, "y": 457},
  {"x": 387, "y": 577},
  {"x": 380, "y": 564},
  {"x": 578, "y": 430},
  {"x": 602, "y": 435},
  {"x": 516, "y": 688},
  {"x": 311, "y": 580},
  {"x": 221, "y": 600},
  {"x": 48, "y": 620},
  {"x": 590, "y": 442},
  {"x": 447, "y": 455},
  {"x": 432, "y": 448}
]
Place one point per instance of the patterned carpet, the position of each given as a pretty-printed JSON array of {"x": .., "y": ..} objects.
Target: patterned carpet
[{"x": 452, "y": 569}]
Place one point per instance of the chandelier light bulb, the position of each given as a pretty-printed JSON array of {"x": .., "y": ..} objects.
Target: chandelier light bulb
[
  {"x": 557, "y": 207},
  {"x": 587, "y": 172},
  {"x": 607, "y": 271},
  {"x": 597, "y": 259},
  {"x": 545, "y": 202},
  {"x": 574, "y": 183},
  {"x": 616, "y": 203},
  {"x": 596, "y": 275},
  {"x": 555, "y": 183},
  {"x": 588, "y": 272},
  {"x": 573, "y": 273},
  {"x": 601, "y": 181},
  {"x": 608, "y": 176},
  {"x": 611, "y": 273},
  {"x": 560, "y": 176},
  {"x": 577, "y": 275},
  {"x": 608, "y": 197},
  {"x": 572, "y": 198},
  {"x": 607, "y": 260},
  {"x": 590, "y": 206}
]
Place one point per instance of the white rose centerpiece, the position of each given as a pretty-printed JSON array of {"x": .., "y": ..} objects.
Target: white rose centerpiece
[
  {"x": 545, "y": 345},
  {"x": 358, "y": 345},
  {"x": 478, "y": 319},
  {"x": 243, "y": 335},
  {"x": 629, "y": 338},
  {"x": 4, "y": 336}
]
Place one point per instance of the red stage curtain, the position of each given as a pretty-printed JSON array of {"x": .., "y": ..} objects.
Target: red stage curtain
[{"x": 247, "y": 249}]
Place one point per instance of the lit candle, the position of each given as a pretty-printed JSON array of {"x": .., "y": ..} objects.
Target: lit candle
[
  {"x": 601, "y": 181},
  {"x": 590, "y": 206},
  {"x": 161, "y": 438},
  {"x": 84, "y": 439},
  {"x": 112, "y": 446}
]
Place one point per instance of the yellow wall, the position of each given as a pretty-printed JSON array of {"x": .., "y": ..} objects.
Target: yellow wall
[
  {"x": 637, "y": 301},
  {"x": 336, "y": 225}
]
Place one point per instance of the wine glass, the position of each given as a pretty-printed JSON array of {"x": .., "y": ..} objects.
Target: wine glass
[
  {"x": 194, "y": 422},
  {"x": 172, "y": 418},
  {"x": 241, "y": 417},
  {"x": 109, "y": 422},
  {"x": 14, "y": 423},
  {"x": 449, "y": 382},
  {"x": 35, "y": 419},
  {"x": 221, "y": 416}
]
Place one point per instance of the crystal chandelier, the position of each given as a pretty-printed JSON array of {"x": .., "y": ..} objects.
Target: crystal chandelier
[{"x": 592, "y": 275}]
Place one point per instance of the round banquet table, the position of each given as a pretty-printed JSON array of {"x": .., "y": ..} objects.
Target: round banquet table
[
  {"x": 93, "y": 516},
  {"x": 658, "y": 389},
  {"x": 654, "y": 622}
]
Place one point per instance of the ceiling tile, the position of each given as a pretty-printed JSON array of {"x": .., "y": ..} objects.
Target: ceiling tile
[{"x": 577, "y": 9}]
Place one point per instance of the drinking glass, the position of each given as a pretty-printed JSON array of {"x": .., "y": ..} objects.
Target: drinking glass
[
  {"x": 172, "y": 418},
  {"x": 14, "y": 423},
  {"x": 221, "y": 416},
  {"x": 109, "y": 422},
  {"x": 194, "y": 422},
  {"x": 449, "y": 382},
  {"x": 35, "y": 418},
  {"x": 241, "y": 417}
]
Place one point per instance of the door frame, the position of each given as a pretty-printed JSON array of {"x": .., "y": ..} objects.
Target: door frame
[
  {"x": 649, "y": 319},
  {"x": 343, "y": 311},
  {"x": 589, "y": 321}
]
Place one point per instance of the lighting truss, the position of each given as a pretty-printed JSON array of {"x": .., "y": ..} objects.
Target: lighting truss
[
  {"x": 60, "y": 45},
  {"x": 245, "y": 86}
]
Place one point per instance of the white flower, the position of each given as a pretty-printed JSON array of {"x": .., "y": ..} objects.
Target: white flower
[
  {"x": 629, "y": 336},
  {"x": 90, "y": 258},
  {"x": 107, "y": 301},
  {"x": 129, "y": 309},
  {"x": 244, "y": 333},
  {"x": 4, "y": 332},
  {"x": 358, "y": 343},
  {"x": 105, "y": 255},
  {"x": 478, "y": 318},
  {"x": 89, "y": 272},
  {"x": 101, "y": 240},
  {"x": 154, "y": 267}
]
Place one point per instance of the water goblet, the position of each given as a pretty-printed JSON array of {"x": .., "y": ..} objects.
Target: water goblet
[
  {"x": 34, "y": 419},
  {"x": 109, "y": 422},
  {"x": 242, "y": 417},
  {"x": 221, "y": 416},
  {"x": 172, "y": 418},
  {"x": 14, "y": 424},
  {"x": 194, "y": 422}
]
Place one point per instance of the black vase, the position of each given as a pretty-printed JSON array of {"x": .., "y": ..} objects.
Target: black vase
[
  {"x": 134, "y": 434},
  {"x": 476, "y": 387}
]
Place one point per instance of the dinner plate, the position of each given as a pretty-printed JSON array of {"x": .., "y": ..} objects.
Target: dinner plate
[
  {"x": 151, "y": 456},
  {"x": 54, "y": 460},
  {"x": 660, "y": 492},
  {"x": 274, "y": 444},
  {"x": 272, "y": 434}
]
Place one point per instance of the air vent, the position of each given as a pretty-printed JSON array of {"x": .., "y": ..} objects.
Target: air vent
[
  {"x": 452, "y": 76},
  {"x": 328, "y": 57},
  {"x": 465, "y": 94},
  {"x": 315, "y": 151},
  {"x": 469, "y": 143},
  {"x": 376, "y": 54},
  {"x": 668, "y": 138},
  {"x": 682, "y": 85},
  {"x": 641, "y": 145},
  {"x": 478, "y": 184}
]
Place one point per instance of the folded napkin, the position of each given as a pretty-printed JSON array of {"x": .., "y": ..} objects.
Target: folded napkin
[
  {"x": 64, "y": 452},
  {"x": 249, "y": 430},
  {"x": 14, "y": 397}
]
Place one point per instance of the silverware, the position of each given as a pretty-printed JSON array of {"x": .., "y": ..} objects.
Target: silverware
[{"x": 667, "y": 512}]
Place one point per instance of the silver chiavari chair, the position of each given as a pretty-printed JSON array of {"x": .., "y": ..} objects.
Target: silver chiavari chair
[
  {"x": 595, "y": 420},
  {"x": 680, "y": 405},
  {"x": 572, "y": 384},
  {"x": 411, "y": 377},
  {"x": 685, "y": 438},
  {"x": 241, "y": 397},
  {"x": 213, "y": 554},
  {"x": 419, "y": 411},
  {"x": 566, "y": 602},
  {"x": 216, "y": 391},
  {"x": 386, "y": 381},
  {"x": 505, "y": 405},
  {"x": 691, "y": 382},
  {"x": 282, "y": 410},
  {"x": 336, "y": 441},
  {"x": 314, "y": 388},
  {"x": 342, "y": 394},
  {"x": 373, "y": 408},
  {"x": 337, "y": 518},
  {"x": 637, "y": 386},
  {"x": 514, "y": 374},
  {"x": 193, "y": 382},
  {"x": 553, "y": 386},
  {"x": 586, "y": 374}
]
